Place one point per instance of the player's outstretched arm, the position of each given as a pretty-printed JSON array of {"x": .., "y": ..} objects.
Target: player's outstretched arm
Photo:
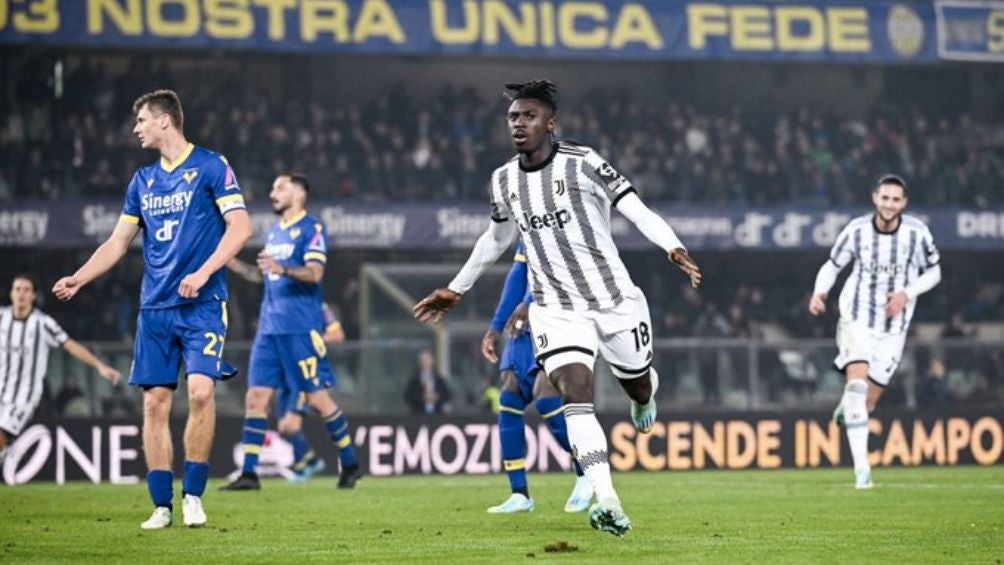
[
  {"x": 84, "y": 355},
  {"x": 487, "y": 250},
  {"x": 238, "y": 232},
  {"x": 432, "y": 308},
  {"x": 104, "y": 258},
  {"x": 686, "y": 263}
]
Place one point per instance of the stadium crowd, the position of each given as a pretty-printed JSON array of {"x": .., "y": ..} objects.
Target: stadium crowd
[{"x": 398, "y": 147}]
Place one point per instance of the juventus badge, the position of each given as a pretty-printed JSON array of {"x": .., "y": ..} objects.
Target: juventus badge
[{"x": 559, "y": 187}]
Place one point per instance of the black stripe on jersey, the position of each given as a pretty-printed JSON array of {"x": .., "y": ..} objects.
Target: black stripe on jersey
[
  {"x": 575, "y": 195},
  {"x": 502, "y": 180},
  {"x": 17, "y": 372},
  {"x": 546, "y": 270},
  {"x": 592, "y": 175},
  {"x": 873, "y": 285},
  {"x": 635, "y": 372},
  {"x": 572, "y": 150},
  {"x": 566, "y": 349},
  {"x": 836, "y": 252},
  {"x": 857, "y": 283},
  {"x": 906, "y": 272},
  {"x": 10, "y": 352},
  {"x": 34, "y": 359},
  {"x": 892, "y": 280},
  {"x": 622, "y": 194},
  {"x": 565, "y": 246},
  {"x": 53, "y": 332},
  {"x": 927, "y": 255}
]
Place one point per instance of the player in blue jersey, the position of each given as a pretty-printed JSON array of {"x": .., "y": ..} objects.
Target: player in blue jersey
[
  {"x": 288, "y": 351},
  {"x": 290, "y": 404},
  {"x": 522, "y": 381},
  {"x": 191, "y": 211}
]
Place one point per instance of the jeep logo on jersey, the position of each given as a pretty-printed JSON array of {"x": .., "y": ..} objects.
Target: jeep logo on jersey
[{"x": 535, "y": 222}]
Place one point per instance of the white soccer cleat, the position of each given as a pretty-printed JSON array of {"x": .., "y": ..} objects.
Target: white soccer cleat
[
  {"x": 514, "y": 504},
  {"x": 863, "y": 479},
  {"x": 160, "y": 519},
  {"x": 643, "y": 415},
  {"x": 581, "y": 496},
  {"x": 191, "y": 510}
]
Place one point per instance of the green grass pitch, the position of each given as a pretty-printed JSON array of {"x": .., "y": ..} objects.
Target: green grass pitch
[{"x": 914, "y": 515}]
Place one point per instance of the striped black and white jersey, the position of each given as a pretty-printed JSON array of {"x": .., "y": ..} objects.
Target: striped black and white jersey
[
  {"x": 883, "y": 263},
  {"x": 562, "y": 209},
  {"x": 24, "y": 355}
]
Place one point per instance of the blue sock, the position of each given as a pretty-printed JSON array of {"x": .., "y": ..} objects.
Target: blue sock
[
  {"x": 301, "y": 450},
  {"x": 338, "y": 429},
  {"x": 253, "y": 438},
  {"x": 549, "y": 408},
  {"x": 193, "y": 482},
  {"x": 161, "y": 486},
  {"x": 513, "y": 439}
]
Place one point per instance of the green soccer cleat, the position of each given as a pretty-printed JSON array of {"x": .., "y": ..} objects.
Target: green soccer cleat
[
  {"x": 514, "y": 504},
  {"x": 838, "y": 415},
  {"x": 643, "y": 415},
  {"x": 581, "y": 496},
  {"x": 610, "y": 518}
]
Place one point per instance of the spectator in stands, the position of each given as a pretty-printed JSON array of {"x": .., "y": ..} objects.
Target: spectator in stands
[
  {"x": 934, "y": 389},
  {"x": 427, "y": 391}
]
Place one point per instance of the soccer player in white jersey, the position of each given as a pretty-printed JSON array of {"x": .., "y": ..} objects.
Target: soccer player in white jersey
[
  {"x": 559, "y": 196},
  {"x": 895, "y": 261},
  {"x": 26, "y": 335}
]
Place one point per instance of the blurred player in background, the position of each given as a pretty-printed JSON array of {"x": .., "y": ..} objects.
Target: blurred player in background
[
  {"x": 895, "y": 261},
  {"x": 559, "y": 195},
  {"x": 522, "y": 381},
  {"x": 290, "y": 405},
  {"x": 26, "y": 335},
  {"x": 193, "y": 218},
  {"x": 288, "y": 351}
]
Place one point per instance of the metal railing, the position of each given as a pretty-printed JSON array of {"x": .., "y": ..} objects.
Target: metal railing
[{"x": 704, "y": 373}]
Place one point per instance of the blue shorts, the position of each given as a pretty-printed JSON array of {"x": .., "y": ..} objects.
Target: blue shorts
[
  {"x": 193, "y": 333},
  {"x": 518, "y": 357},
  {"x": 297, "y": 362},
  {"x": 287, "y": 401}
]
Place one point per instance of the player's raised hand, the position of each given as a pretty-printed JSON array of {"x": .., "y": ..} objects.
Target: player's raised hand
[
  {"x": 110, "y": 374},
  {"x": 896, "y": 302},
  {"x": 519, "y": 321},
  {"x": 687, "y": 265},
  {"x": 66, "y": 288},
  {"x": 432, "y": 308},
  {"x": 190, "y": 285},
  {"x": 488, "y": 346},
  {"x": 817, "y": 304}
]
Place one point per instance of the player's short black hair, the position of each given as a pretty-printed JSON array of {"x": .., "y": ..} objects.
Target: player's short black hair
[
  {"x": 26, "y": 277},
  {"x": 164, "y": 101},
  {"x": 539, "y": 89},
  {"x": 299, "y": 179},
  {"x": 891, "y": 179}
]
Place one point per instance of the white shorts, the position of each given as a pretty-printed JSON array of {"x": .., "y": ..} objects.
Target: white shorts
[
  {"x": 622, "y": 335},
  {"x": 13, "y": 417},
  {"x": 858, "y": 343}
]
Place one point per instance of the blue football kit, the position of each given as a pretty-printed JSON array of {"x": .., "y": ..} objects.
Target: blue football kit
[
  {"x": 289, "y": 351},
  {"x": 180, "y": 207}
]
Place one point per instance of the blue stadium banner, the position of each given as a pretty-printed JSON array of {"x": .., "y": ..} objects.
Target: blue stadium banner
[
  {"x": 970, "y": 30},
  {"x": 75, "y": 223},
  {"x": 875, "y": 31}
]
